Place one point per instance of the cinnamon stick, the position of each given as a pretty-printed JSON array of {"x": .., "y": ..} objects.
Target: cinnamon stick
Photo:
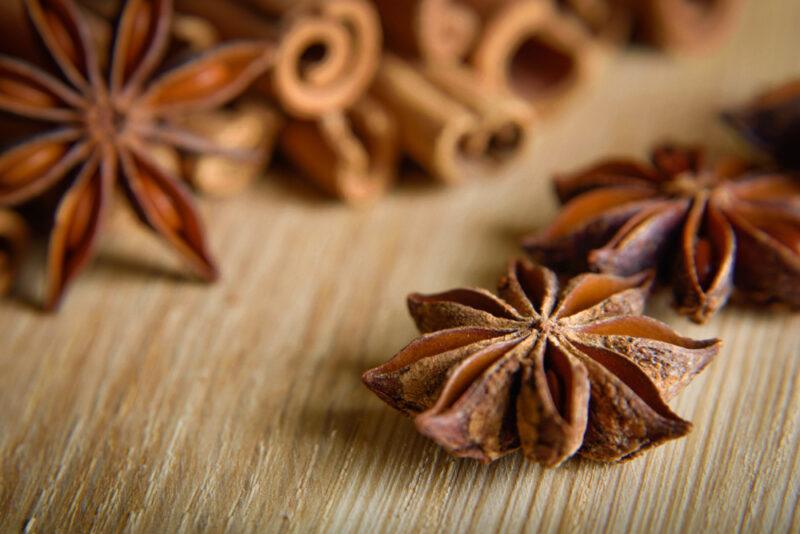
[
  {"x": 504, "y": 121},
  {"x": 610, "y": 21},
  {"x": 432, "y": 30},
  {"x": 524, "y": 47},
  {"x": 327, "y": 52},
  {"x": 14, "y": 236},
  {"x": 686, "y": 25},
  {"x": 251, "y": 128},
  {"x": 452, "y": 130},
  {"x": 351, "y": 155}
]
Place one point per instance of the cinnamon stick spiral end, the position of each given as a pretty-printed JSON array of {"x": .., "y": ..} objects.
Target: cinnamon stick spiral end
[
  {"x": 327, "y": 58},
  {"x": 533, "y": 51}
]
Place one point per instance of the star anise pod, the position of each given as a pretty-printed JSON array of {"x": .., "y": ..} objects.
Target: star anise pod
[
  {"x": 695, "y": 221},
  {"x": 553, "y": 373},
  {"x": 101, "y": 123},
  {"x": 772, "y": 123}
]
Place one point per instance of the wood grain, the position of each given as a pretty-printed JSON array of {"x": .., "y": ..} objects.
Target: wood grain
[{"x": 152, "y": 403}]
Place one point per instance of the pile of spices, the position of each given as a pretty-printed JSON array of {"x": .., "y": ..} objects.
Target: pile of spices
[
  {"x": 343, "y": 89},
  {"x": 580, "y": 370}
]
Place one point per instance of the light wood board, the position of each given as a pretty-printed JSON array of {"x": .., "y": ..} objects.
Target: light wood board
[{"x": 152, "y": 403}]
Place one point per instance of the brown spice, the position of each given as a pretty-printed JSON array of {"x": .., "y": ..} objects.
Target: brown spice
[
  {"x": 772, "y": 123},
  {"x": 672, "y": 25},
  {"x": 100, "y": 128},
  {"x": 250, "y": 129},
  {"x": 610, "y": 21},
  {"x": 355, "y": 152},
  {"x": 685, "y": 25},
  {"x": 552, "y": 372},
  {"x": 518, "y": 47},
  {"x": 14, "y": 236},
  {"x": 448, "y": 122},
  {"x": 621, "y": 216},
  {"x": 327, "y": 52}
]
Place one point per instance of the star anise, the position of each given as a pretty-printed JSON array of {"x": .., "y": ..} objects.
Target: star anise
[
  {"x": 102, "y": 123},
  {"x": 580, "y": 371},
  {"x": 772, "y": 123},
  {"x": 695, "y": 221}
]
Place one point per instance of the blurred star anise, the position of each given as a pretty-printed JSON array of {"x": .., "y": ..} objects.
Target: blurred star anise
[
  {"x": 101, "y": 125},
  {"x": 707, "y": 226},
  {"x": 555, "y": 374},
  {"x": 772, "y": 123}
]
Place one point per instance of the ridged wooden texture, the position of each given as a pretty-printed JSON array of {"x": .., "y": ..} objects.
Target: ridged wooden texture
[{"x": 154, "y": 404}]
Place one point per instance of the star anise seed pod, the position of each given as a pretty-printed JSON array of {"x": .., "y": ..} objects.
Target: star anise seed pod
[
  {"x": 695, "y": 221},
  {"x": 101, "y": 124},
  {"x": 772, "y": 123},
  {"x": 553, "y": 373}
]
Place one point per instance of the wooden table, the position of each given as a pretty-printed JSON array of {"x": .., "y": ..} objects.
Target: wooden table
[{"x": 151, "y": 403}]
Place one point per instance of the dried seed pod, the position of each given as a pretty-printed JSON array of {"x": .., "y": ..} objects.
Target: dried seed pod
[
  {"x": 771, "y": 121},
  {"x": 99, "y": 127},
  {"x": 624, "y": 216},
  {"x": 494, "y": 374}
]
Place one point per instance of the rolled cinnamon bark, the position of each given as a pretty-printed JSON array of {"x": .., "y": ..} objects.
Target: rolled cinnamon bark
[
  {"x": 14, "y": 237},
  {"x": 251, "y": 128},
  {"x": 686, "y": 25},
  {"x": 327, "y": 51},
  {"x": 610, "y": 21},
  {"x": 351, "y": 155},
  {"x": 504, "y": 121},
  {"x": 452, "y": 130},
  {"x": 524, "y": 47},
  {"x": 433, "y": 30}
]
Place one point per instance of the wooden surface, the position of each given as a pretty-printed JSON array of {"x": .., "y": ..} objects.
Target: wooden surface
[{"x": 152, "y": 403}]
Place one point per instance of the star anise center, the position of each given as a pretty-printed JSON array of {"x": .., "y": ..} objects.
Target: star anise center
[
  {"x": 690, "y": 184},
  {"x": 543, "y": 325},
  {"x": 105, "y": 123}
]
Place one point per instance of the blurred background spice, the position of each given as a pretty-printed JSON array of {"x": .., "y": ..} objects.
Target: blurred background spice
[{"x": 355, "y": 89}]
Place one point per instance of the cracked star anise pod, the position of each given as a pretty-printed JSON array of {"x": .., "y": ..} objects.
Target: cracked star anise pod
[
  {"x": 100, "y": 123},
  {"x": 554, "y": 373},
  {"x": 708, "y": 227},
  {"x": 772, "y": 123}
]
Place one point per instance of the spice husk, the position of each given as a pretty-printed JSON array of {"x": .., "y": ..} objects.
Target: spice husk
[
  {"x": 102, "y": 125},
  {"x": 709, "y": 226},
  {"x": 552, "y": 371},
  {"x": 771, "y": 122}
]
